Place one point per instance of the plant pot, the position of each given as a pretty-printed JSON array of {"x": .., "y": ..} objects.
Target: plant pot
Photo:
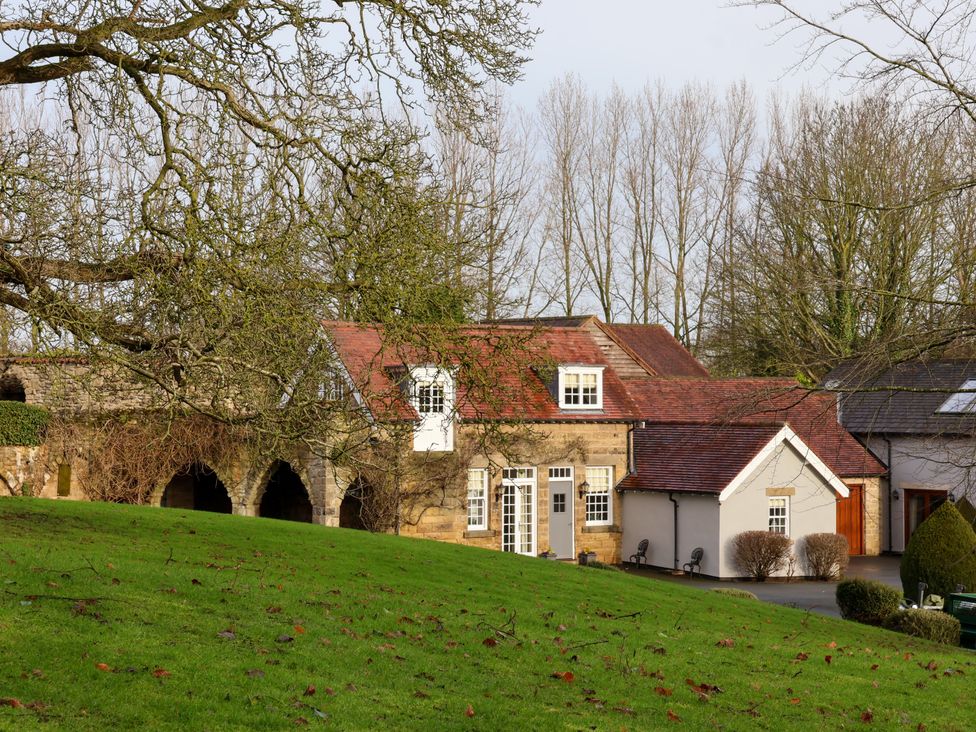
[{"x": 586, "y": 557}]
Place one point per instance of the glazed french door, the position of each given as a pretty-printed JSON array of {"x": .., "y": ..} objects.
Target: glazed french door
[
  {"x": 518, "y": 510},
  {"x": 919, "y": 505}
]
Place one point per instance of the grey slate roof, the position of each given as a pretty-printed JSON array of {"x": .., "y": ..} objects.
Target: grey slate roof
[{"x": 911, "y": 407}]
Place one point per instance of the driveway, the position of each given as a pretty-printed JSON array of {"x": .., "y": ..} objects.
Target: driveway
[{"x": 803, "y": 594}]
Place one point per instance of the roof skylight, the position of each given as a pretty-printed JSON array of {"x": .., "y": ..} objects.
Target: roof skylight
[{"x": 963, "y": 401}]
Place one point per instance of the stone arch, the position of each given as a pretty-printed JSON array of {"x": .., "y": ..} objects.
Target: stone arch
[
  {"x": 199, "y": 488},
  {"x": 12, "y": 388},
  {"x": 357, "y": 495},
  {"x": 285, "y": 495}
]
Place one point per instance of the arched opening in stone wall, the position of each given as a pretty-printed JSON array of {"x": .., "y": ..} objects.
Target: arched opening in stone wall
[
  {"x": 12, "y": 389},
  {"x": 197, "y": 488},
  {"x": 285, "y": 496},
  {"x": 351, "y": 514}
]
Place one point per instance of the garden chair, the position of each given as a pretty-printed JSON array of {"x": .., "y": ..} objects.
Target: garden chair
[
  {"x": 641, "y": 552},
  {"x": 695, "y": 563}
]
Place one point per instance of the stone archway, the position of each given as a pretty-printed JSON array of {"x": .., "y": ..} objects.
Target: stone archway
[
  {"x": 12, "y": 389},
  {"x": 351, "y": 509},
  {"x": 285, "y": 495},
  {"x": 198, "y": 488}
]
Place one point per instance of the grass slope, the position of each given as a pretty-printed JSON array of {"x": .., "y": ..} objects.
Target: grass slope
[{"x": 118, "y": 617}]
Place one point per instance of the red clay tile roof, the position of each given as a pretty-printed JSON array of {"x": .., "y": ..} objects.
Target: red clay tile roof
[
  {"x": 812, "y": 415},
  {"x": 500, "y": 370},
  {"x": 686, "y": 458},
  {"x": 655, "y": 348}
]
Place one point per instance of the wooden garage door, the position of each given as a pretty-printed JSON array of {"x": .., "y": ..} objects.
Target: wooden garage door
[{"x": 850, "y": 518}]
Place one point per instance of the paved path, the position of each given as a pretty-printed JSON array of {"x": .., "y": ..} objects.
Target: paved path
[{"x": 806, "y": 595}]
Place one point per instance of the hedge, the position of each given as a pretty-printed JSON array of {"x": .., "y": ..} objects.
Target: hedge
[
  {"x": 22, "y": 424},
  {"x": 867, "y": 601},
  {"x": 735, "y": 592},
  {"x": 941, "y": 553},
  {"x": 933, "y": 625}
]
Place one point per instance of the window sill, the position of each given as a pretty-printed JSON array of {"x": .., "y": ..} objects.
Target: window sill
[
  {"x": 602, "y": 529},
  {"x": 480, "y": 534}
]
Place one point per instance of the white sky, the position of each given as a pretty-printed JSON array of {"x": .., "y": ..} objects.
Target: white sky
[{"x": 631, "y": 41}]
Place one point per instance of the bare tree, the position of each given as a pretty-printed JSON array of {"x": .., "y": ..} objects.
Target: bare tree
[
  {"x": 561, "y": 124},
  {"x": 256, "y": 188}
]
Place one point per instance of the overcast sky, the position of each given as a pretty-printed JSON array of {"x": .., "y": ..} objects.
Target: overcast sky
[{"x": 630, "y": 41}]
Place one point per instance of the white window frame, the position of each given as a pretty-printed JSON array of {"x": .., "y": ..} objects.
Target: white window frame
[
  {"x": 962, "y": 402},
  {"x": 480, "y": 497},
  {"x": 579, "y": 372},
  {"x": 591, "y": 471},
  {"x": 780, "y": 502},
  {"x": 431, "y": 397},
  {"x": 520, "y": 492}
]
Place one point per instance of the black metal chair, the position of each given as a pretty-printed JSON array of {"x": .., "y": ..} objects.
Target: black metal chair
[
  {"x": 641, "y": 552},
  {"x": 696, "y": 556}
]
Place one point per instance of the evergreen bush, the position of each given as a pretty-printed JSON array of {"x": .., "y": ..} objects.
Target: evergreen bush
[
  {"x": 735, "y": 592},
  {"x": 941, "y": 553},
  {"x": 867, "y": 601},
  {"x": 22, "y": 424},
  {"x": 932, "y": 625}
]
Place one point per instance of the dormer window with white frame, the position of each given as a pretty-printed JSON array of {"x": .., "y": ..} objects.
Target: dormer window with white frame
[
  {"x": 963, "y": 401},
  {"x": 580, "y": 387},
  {"x": 432, "y": 396}
]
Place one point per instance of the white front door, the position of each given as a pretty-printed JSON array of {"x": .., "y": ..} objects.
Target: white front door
[
  {"x": 561, "y": 512},
  {"x": 518, "y": 510}
]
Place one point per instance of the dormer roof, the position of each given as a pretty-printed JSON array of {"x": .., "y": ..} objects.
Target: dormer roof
[{"x": 502, "y": 370}]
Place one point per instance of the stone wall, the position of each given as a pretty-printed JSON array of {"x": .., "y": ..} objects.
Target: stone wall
[{"x": 559, "y": 445}]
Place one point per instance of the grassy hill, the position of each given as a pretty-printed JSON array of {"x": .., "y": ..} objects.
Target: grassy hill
[{"x": 118, "y": 617}]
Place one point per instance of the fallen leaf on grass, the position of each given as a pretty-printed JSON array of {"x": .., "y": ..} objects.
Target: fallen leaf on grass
[
  {"x": 228, "y": 634},
  {"x": 867, "y": 716},
  {"x": 103, "y": 667},
  {"x": 726, "y": 643},
  {"x": 672, "y": 717},
  {"x": 832, "y": 644},
  {"x": 661, "y": 691},
  {"x": 284, "y": 639},
  {"x": 828, "y": 659},
  {"x": 623, "y": 710},
  {"x": 566, "y": 676},
  {"x": 195, "y": 581},
  {"x": 930, "y": 666},
  {"x": 160, "y": 673},
  {"x": 421, "y": 695},
  {"x": 254, "y": 673},
  {"x": 11, "y": 702},
  {"x": 469, "y": 712},
  {"x": 490, "y": 642},
  {"x": 300, "y": 630},
  {"x": 309, "y": 690},
  {"x": 874, "y": 667},
  {"x": 802, "y": 656},
  {"x": 795, "y": 700}
]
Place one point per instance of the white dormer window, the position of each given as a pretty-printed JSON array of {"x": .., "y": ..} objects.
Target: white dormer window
[
  {"x": 430, "y": 398},
  {"x": 580, "y": 387},
  {"x": 432, "y": 395},
  {"x": 963, "y": 401}
]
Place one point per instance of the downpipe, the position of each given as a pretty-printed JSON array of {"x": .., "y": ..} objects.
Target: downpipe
[{"x": 675, "y": 532}]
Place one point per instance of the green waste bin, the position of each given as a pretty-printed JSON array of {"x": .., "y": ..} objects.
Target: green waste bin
[{"x": 962, "y": 605}]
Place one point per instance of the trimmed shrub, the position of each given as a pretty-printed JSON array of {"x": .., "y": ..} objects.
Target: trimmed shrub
[
  {"x": 941, "y": 553},
  {"x": 760, "y": 554},
  {"x": 735, "y": 592},
  {"x": 22, "y": 424},
  {"x": 932, "y": 625},
  {"x": 867, "y": 601},
  {"x": 827, "y": 555}
]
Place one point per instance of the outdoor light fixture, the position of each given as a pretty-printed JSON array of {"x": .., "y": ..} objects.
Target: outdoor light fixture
[
  {"x": 584, "y": 488},
  {"x": 498, "y": 492},
  {"x": 896, "y": 494}
]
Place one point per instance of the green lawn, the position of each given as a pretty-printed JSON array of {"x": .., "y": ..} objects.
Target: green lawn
[{"x": 118, "y": 617}]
